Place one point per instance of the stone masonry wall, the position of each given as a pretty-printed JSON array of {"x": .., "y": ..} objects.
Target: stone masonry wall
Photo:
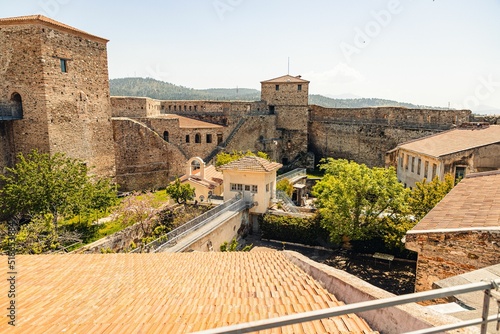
[
  {"x": 286, "y": 95},
  {"x": 22, "y": 72},
  {"x": 362, "y": 143},
  {"x": 366, "y": 134},
  {"x": 143, "y": 159},
  {"x": 134, "y": 107},
  {"x": 442, "y": 255},
  {"x": 78, "y": 105},
  {"x": 65, "y": 112},
  {"x": 178, "y": 136},
  {"x": 392, "y": 116}
]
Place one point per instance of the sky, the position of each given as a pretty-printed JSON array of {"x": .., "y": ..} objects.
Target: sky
[{"x": 443, "y": 53}]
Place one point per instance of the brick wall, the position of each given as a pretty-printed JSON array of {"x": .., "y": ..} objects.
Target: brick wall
[{"x": 442, "y": 255}]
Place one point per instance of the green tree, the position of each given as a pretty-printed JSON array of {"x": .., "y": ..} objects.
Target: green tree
[
  {"x": 225, "y": 158},
  {"x": 41, "y": 184},
  {"x": 354, "y": 200},
  {"x": 233, "y": 246},
  {"x": 426, "y": 195},
  {"x": 285, "y": 186},
  {"x": 179, "y": 192}
]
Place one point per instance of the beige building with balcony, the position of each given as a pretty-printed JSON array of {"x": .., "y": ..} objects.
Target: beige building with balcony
[
  {"x": 251, "y": 177},
  {"x": 471, "y": 148}
]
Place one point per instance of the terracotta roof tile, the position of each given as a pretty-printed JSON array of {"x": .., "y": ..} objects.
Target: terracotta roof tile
[
  {"x": 286, "y": 79},
  {"x": 166, "y": 293},
  {"x": 252, "y": 163},
  {"x": 473, "y": 204},
  {"x": 40, "y": 19},
  {"x": 455, "y": 140},
  {"x": 190, "y": 123}
]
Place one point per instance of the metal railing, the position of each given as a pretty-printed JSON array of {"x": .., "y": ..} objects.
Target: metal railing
[
  {"x": 171, "y": 237},
  {"x": 288, "y": 204},
  {"x": 291, "y": 174},
  {"x": 375, "y": 305}
]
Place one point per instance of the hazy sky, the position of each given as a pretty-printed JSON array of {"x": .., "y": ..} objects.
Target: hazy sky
[{"x": 421, "y": 51}]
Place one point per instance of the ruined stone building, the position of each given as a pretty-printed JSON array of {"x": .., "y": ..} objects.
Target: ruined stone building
[
  {"x": 54, "y": 97},
  {"x": 470, "y": 148}
]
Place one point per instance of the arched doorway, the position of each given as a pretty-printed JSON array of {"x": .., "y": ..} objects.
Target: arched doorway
[{"x": 16, "y": 105}]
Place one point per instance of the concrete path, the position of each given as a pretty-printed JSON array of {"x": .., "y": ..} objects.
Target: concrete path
[{"x": 192, "y": 237}]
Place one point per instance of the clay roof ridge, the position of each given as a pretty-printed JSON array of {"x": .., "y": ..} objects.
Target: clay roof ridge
[
  {"x": 41, "y": 19},
  {"x": 452, "y": 229},
  {"x": 284, "y": 79},
  {"x": 252, "y": 163},
  {"x": 482, "y": 174}
]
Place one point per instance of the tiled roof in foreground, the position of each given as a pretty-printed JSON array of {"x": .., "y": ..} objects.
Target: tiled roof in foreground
[
  {"x": 473, "y": 204},
  {"x": 252, "y": 163},
  {"x": 166, "y": 293}
]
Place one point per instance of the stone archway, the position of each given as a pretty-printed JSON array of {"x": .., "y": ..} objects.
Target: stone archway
[
  {"x": 194, "y": 164},
  {"x": 16, "y": 103}
]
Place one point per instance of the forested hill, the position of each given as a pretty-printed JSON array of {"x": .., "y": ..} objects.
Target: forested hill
[{"x": 160, "y": 90}]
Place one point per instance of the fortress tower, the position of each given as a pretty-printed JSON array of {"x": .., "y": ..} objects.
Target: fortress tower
[
  {"x": 54, "y": 92},
  {"x": 287, "y": 98}
]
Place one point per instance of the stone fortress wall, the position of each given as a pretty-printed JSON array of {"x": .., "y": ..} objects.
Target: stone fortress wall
[
  {"x": 60, "y": 77},
  {"x": 365, "y": 134},
  {"x": 56, "y": 77}
]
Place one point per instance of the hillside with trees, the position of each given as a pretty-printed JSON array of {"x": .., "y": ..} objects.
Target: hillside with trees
[{"x": 148, "y": 87}]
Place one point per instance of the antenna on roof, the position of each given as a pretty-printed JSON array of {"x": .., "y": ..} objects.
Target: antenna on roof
[{"x": 288, "y": 72}]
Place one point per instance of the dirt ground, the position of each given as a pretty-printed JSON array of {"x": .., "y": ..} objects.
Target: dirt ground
[{"x": 397, "y": 277}]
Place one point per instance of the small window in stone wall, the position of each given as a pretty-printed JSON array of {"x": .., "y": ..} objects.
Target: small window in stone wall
[
  {"x": 419, "y": 166},
  {"x": 197, "y": 138},
  {"x": 254, "y": 189},
  {"x": 64, "y": 65},
  {"x": 299, "y": 87},
  {"x": 209, "y": 138},
  {"x": 407, "y": 161},
  {"x": 219, "y": 138},
  {"x": 277, "y": 87},
  {"x": 165, "y": 136},
  {"x": 187, "y": 138},
  {"x": 426, "y": 168},
  {"x": 413, "y": 164}
]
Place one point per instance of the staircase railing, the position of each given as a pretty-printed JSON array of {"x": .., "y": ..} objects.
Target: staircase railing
[
  {"x": 192, "y": 225},
  {"x": 288, "y": 204}
]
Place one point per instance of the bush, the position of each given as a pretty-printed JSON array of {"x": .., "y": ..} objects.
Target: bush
[{"x": 293, "y": 229}]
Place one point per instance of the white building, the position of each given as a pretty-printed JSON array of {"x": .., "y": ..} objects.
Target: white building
[{"x": 252, "y": 177}]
